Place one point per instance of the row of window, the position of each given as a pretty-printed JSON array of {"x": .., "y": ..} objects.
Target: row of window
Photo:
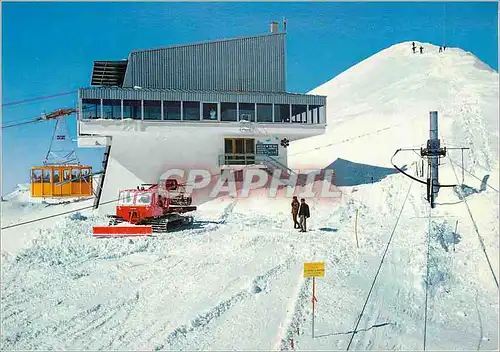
[
  {"x": 54, "y": 176},
  {"x": 195, "y": 111}
]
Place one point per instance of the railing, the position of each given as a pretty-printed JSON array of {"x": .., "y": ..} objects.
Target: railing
[
  {"x": 236, "y": 159},
  {"x": 273, "y": 164}
]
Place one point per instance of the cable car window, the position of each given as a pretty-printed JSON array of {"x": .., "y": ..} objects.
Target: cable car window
[
  {"x": 46, "y": 176},
  {"x": 75, "y": 175},
  {"x": 144, "y": 199},
  {"x": 66, "y": 175},
  {"x": 36, "y": 175},
  {"x": 126, "y": 198},
  {"x": 56, "y": 176}
]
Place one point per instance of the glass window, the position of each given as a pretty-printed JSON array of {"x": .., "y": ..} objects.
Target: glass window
[
  {"x": 247, "y": 112},
  {"x": 209, "y": 111},
  {"x": 112, "y": 109},
  {"x": 281, "y": 113},
  {"x": 191, "y": 110},
  {"x": 91, "y": 109},
  {"x": 46, "y": 176},
  {"x": 171, "y": 110},
  {"x": 132, "y": 109},
  {"x": 152, "y": 110},
  {"x": 36, "y": 175},
  {"x": 249, "y": 146},
  {"x": 143, "y": 199},
  {"x": 264, "y": 112},
  {"x": 86, "y": 175},
  {"x": 313, "y": 114},
  {"x": 66, "y": 175},
  {"x": 299, "y": 113},
  {"x": 228, "y": 112},
  {"x": 56, "y": 176},
  {"x": 75, "y": 175},
  {"x": 126, "y": 197}
]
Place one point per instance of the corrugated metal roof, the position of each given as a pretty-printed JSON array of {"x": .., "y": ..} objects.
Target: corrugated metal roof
[
  {"x": 207, "y": 42},
  {"x": 254, "y": 63},
  {"x": 201, "y": 95}
]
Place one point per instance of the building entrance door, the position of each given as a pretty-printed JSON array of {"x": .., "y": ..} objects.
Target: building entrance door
[{"x": 239, "y": 151}]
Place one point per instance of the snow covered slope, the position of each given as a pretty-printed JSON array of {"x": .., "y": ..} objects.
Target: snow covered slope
[
  {"x": 389, "y": 96},
  {"x": 234, "y": 281}
]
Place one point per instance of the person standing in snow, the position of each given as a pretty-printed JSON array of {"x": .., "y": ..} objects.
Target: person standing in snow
[
  {"x": 303, "y": 214},
  {"x": 440, "y": 49},
  {"x": 413, "y": 47},
  {"x": 295, "y": 212},
  {"x": 421, "y": 49}
]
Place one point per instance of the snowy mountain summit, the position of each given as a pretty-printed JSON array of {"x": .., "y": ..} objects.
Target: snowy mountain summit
[{"x": 389, "y": 95}]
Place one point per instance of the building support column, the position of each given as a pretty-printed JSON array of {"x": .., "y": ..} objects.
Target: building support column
[{"x": 102, "y": 110}]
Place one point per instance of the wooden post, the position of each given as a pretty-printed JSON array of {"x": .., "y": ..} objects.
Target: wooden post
[
  {"x": 454, "y": 234},
  {"x": 313, "y": 301},
  {"x": 356, "y": 228},
  {"x": 463, "y": 175}
]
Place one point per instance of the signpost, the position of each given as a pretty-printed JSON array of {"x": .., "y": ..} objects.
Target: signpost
[
  {"x": 314, "y": 270},
  {"x": 266, "y": 149}
]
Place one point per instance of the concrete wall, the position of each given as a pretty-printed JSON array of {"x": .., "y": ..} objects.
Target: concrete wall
[{"x": 144, "y": 157}]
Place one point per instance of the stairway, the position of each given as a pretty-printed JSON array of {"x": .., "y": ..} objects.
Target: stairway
[{"x": 288, "y": 176}]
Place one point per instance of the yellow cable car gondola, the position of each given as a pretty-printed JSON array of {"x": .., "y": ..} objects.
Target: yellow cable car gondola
[
  {"x": 61, "y": 181},
  {"x": 61, "y": 176}
]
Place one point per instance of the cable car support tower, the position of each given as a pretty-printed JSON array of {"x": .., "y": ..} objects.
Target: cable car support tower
[{"x": 433, "y": 152}]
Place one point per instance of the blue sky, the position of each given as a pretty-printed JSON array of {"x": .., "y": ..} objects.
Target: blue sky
[{"x": 48, "y": 48}]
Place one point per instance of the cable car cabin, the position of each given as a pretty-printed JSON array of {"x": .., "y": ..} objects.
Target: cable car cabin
[{"x": 61, "y": 181}]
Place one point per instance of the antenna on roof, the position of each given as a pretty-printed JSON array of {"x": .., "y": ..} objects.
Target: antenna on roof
[{"x": 433, "y": 152}]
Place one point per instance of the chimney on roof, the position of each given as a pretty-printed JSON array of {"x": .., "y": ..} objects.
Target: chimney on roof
[{"x": 274, "y": 27}]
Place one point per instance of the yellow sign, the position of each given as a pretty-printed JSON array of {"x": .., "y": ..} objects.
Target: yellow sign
[{"x": 316, "y": 269}]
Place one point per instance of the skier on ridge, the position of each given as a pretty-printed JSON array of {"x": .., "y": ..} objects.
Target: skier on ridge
[
  {"x": 413, "y": 47},
  {"x": 421, "y": 49}
]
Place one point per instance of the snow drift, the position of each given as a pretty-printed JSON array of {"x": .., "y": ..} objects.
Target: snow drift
[{"x": 234, "y": 280}]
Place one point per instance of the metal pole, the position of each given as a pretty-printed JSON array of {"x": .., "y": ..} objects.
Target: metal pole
[{"x": 434, "y": 144}]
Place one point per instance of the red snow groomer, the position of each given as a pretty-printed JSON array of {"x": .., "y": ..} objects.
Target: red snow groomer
[{"x": 140, "y": 212}]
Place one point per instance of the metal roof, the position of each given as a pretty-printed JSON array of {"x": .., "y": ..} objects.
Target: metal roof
[
  {"x": 255, "y": 63},
  {"x": 205, "y": 42},
  {"x": 108, "y": 73}
]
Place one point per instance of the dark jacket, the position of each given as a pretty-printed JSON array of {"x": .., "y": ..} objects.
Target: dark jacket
[{"x": 304, "y": 210}]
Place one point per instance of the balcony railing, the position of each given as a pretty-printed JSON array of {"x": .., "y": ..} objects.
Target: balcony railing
[{"x": 236, "y": 159}]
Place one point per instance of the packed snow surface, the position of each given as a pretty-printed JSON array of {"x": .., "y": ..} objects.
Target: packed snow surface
[{"x": 234, "y": 279}]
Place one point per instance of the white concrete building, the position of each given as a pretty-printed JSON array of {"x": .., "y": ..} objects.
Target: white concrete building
[{"x": 212, "y": 105}]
